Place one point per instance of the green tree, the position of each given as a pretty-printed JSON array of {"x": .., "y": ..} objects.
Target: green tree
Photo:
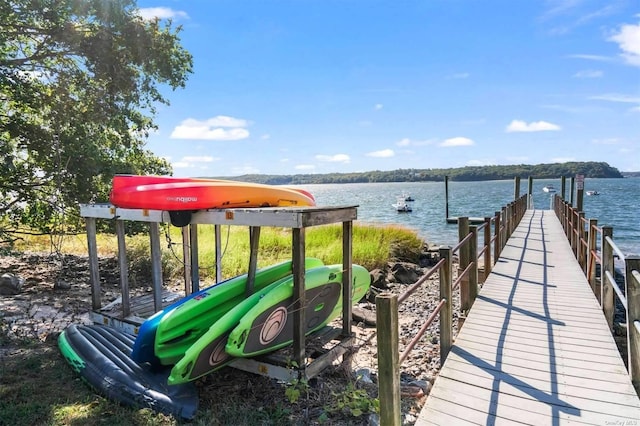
[{"x": 79, "y": 84}]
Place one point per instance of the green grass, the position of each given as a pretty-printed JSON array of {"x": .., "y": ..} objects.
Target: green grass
[
  {"x": 37, "y": 387},
  {"x": 372, "y": 246}
]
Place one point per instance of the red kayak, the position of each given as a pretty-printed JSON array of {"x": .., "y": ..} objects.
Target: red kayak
[{"x": 175, "y": 194}]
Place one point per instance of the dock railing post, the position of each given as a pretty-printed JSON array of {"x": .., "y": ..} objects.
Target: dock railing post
[
  {"x": 505, "y": 232},
  {"x": 579, "y": 238},
  {"x": 607, "y": 296},
  {"x": 446, "y": 313},
  {"x": 388, "y": 359},
  {"x": 464, "y": 256},
  {"x": 473, "y": 258},
  {"x": 591, "y": 248},
  {"x": 632, "y": 291},
  {"x": 497, "y": 247},
  {"x": 487, "y": 249}
]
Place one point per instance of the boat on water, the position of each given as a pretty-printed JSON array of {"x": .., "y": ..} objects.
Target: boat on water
[
  {"x": 593, "y": 193},
  {"x": 549, "y": 188},
  {"x": 402, "y": 206},
  {"x": 407, "y": 197}
]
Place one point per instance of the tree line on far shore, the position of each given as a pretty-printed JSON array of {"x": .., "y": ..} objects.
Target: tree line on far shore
[{"x": 589, "y": 169}]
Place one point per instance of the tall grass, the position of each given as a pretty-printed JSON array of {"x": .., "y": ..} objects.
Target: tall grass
[{"x": 372, "y": 247}]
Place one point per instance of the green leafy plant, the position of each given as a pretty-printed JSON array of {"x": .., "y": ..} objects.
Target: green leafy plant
[{"x": 354, "y": 401}]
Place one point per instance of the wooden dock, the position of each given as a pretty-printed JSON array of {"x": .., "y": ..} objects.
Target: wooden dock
[{"x": 535, "y": 348}]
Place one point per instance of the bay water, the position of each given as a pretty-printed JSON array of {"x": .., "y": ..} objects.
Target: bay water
[{"x": 617, "y": 205}]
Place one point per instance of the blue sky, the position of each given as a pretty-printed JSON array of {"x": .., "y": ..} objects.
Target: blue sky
[{"x": 323, "y": 86}]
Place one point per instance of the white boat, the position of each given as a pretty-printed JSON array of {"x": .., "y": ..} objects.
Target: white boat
[
  {"x": 549, "y": 189},
  {"x": 402, "y": 206},
  {"x": 593, "y": 193}
]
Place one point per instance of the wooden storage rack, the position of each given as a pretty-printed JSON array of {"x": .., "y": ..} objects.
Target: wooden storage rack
[{"x": 129, "y": 313}]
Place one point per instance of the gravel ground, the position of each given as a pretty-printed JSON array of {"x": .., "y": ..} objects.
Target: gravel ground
[{"x": 56, "y": 293}]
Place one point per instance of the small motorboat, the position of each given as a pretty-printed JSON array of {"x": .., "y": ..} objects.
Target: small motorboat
[
  {"x": 549, "y": 188},
  {"x": 402, "y": 206},
  {"x": 407, "y": 197},
  {"x": 593, "y": 193}
]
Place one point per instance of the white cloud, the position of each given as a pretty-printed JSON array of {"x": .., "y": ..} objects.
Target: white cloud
[
  {"x": 534, "y": 126},
  {"x": 305, "y": 167},
  {"x": 265, "y": 137},
  {"x": 201, "y": 159},
  {"x": 384, "y": 153},
  {"x": 180, "y": 165},
  {"x": 410, "y": 142},
  {"x": 628, "y": 39},
  {"x": 635, "y": 109},
  {"x": 616, "y": 97},
  {"x": 212, "y": 129},
  {"x": 598, "y": 58},
  {"x": 378, "y": 107},
  {"x": 457, "y": 141},
  {"x": 337, "y": 158},
  {"x": 588, "y": 74},
  {"x": 149, "y": 13}
]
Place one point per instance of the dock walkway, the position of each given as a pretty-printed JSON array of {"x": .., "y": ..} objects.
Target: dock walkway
[{"x": 535, "y": 348}]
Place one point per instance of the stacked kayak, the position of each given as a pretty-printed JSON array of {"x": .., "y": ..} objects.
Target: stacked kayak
[
  {"x": 179, "y": 194},
  {"x": 204, "y": 332}
]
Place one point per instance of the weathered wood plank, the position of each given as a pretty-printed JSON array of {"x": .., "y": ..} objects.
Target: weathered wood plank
[{"x": 535, "y": 347}]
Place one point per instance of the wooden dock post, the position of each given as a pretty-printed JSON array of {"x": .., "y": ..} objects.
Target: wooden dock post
[
  {"x": 607, "y": 297},
  {"x": 464, "y": 256},
  {"x": 591, "y": 258},
  {"x": 446, "y": 313},
  {"x": 473, "y": 258},
  {"x": 446, "y": 197},
  {"x": 487, "y": 251},
  {"x": 388, "y": 359},
  {"x": 632, "y": 291}
]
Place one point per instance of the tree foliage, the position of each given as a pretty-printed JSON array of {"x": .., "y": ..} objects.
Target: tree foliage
[
  {"x": 537, "y": 171},
  {"x": 79, "y": 84}
]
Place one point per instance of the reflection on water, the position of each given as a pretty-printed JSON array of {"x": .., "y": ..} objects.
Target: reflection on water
[{"x": 617, "y": 205}]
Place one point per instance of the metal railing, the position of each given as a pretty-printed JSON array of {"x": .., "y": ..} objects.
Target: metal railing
[{"x": 469, "y": 257}]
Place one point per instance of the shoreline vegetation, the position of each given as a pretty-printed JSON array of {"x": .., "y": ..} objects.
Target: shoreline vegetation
[
  {"x": 589, "y": 169},
  {"x": 56, "y": 292}
]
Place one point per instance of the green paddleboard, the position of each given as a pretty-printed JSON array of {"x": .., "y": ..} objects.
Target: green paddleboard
[
  {"x": 208, "y": 353},
  {"x": 184, "y": 325},
  {"x": 268, "y": 325}
]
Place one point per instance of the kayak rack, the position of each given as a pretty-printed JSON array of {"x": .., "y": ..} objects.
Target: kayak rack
[{"x": 128, "y": 313}]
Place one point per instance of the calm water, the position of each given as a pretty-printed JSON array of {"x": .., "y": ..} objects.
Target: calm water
[{"x": 618, "y": 204}]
